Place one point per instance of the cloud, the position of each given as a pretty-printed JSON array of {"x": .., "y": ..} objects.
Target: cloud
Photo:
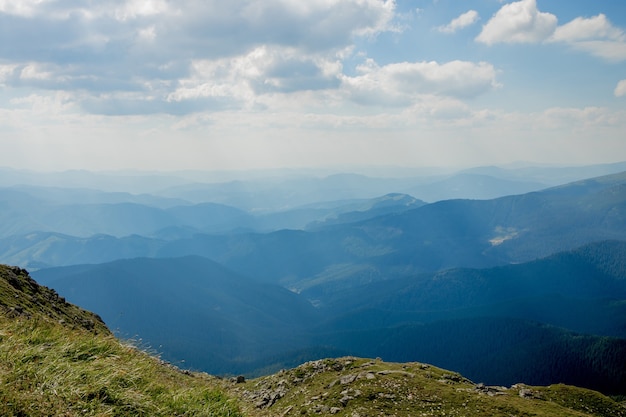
[
  {"x": 620, "y": 89},
  {"x": 263, "y": 70},
  {"x": 595, "y": 35},
  {"x": 222, "y": 28},
  {"x": 580, "y": 29},
  {"x": 111, "y": 50},
  {"x": 400, "y": 84},
  {"x": 518, "y": 22},
  {"x": 466, "y": 19},
  {"x": 522, "y": 22}
]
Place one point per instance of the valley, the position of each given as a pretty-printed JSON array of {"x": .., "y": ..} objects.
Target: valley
[{"x": 515, "y": 287}]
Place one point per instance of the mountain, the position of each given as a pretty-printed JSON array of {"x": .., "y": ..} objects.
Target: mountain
[
  {"x": 468, "y": 185},
  {"x": 23, "y": 213},
  {"x": 565, "y": 313},
  {"x": 552, "y": 175},
  {"x": 557, "y": 319},
  {"x": 431, "y": 237},
  {"x": 579, "y": 289},
  {"x": 190, "y": 309},
  {"x": 51, "y": 367},
  {"x": 59, "y": 360},
  {"x": 70, "y": 196},
  {"x": 368, "y": 209},
  {"x": 282, "y": 194},
  {"x": 84, "y": 213},
  {"x": 496, "y": 351},
  {"x": 211, "y": 217},
  {"x": 442, "y": 235},
  {"x": 46, "y": 249}
]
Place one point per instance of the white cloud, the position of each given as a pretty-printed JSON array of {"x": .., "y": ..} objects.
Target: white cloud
[
  {"x": 401, "y": 83},
  {"x": 595, "y": 35},
  {"x": 466, "y": 19},
  {"x": 262, "y": 70},
  {"x": 139, "y": 8},
  {"x": 518, "y": 22},
  {"x": 21, "y": 7},
  {"x": 579, "y": 29},
  {"x": 115, "y": 50},
  {"x": 522, "y": 22},
  {"x": 620, "y": 89},
  {"x": 35, "y": 72},
  {"x": 608, "y": 50},
  {"x": 6, "y": 72}
]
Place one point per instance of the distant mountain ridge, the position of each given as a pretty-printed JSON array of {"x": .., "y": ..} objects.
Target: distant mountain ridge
[
  {"x": 405, "y": 239},
  {"x": 534, "y": 310},
  {"x": 385, "y": 276}
]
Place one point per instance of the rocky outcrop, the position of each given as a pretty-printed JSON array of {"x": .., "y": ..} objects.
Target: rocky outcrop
[
  {"x": 22, "y": 296},
  {"x": 360, "y": 387}
]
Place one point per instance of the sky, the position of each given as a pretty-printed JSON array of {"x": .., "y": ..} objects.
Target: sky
[{"x": 243, "y": 84}]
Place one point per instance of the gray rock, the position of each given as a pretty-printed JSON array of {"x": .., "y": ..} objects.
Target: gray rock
[{"x": 347, "y": 379}]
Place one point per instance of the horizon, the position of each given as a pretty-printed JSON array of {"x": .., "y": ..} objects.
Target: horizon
[{"x": 205, "y": 86}]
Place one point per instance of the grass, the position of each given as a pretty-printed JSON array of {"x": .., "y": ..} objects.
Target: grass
[
  {"x": 47, "y": 369},
  {"x": 362, "y": 387}
]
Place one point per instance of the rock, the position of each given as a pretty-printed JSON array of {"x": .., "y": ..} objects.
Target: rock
[
  {"x": 489, "y": 390},
  {"x": 347, "y": 379},
  {"x": 334, "y": 410},
  {"x": 453, "y": 377}
]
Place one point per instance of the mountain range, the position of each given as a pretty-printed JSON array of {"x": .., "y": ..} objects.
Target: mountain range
[
  {"x": 564, "y": 309},
  {"x": 58, "y": 359},
  {"x": 503, "y": 288}
]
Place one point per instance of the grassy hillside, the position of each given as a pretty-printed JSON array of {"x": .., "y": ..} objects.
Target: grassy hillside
[
  {"x": 361, "y": 387},
  {"x": 59, "y": 360}
]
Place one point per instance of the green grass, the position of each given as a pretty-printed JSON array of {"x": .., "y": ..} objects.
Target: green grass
[
  {"x": 410, "y": 389},
  {"x": 47, "y": 369}
]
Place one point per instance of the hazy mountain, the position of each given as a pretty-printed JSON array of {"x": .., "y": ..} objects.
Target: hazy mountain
[
  {"x": 552, "y": 175},
  {"x": 446, "y": 234},
  {"x": 582, "y": 290},
  {"x": 289, "y": 188},
  {"x": 368, "y": 209},
  {"x": 83, "y": 213},
  {"x": 189, "y": 309},
  {"x": 22, "y": 212},
  {"x": 441, "y": 235},
  {"x": 466, "y": 319},
  {"x": 263, "y": 196},
  {"x": 211, "y": 217},
  {"x": 71, "y": 196},
  {"x": 45, "y": 249},
  {"x": 473, "y": 186}
]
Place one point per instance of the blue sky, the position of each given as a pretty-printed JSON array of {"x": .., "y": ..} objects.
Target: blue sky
[{"x": 207, "y": 84}]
